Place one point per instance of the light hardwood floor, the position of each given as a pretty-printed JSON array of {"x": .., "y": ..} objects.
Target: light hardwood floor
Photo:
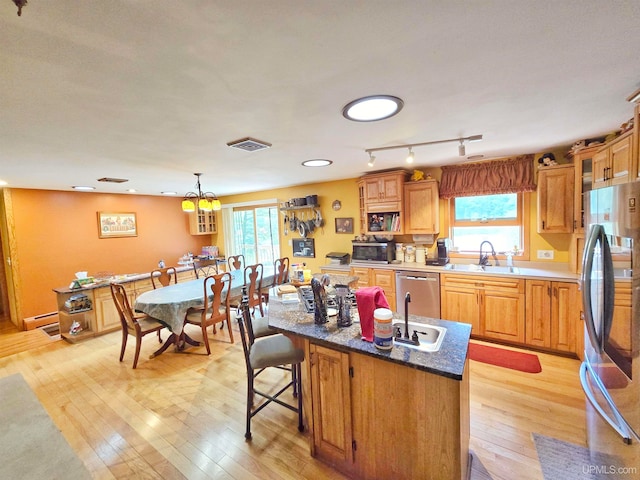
[{"x": 181, "y": 415}]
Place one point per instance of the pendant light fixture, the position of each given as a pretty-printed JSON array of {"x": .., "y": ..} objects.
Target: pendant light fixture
[{"x": 205, "y": 202}]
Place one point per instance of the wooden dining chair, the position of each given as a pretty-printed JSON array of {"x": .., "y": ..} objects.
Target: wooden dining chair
[
  {"x": 236, "y": 262},
  {"x": 280, "y": 276},
  {"x": 253, "y": 280},
  {"x": 134, "y": 324},
  {"x": 163, "y": 277},
  {"x": 215, "y": 310},
  {"x": 276, "y": 351},
  {"x": 204, "y": 268}
]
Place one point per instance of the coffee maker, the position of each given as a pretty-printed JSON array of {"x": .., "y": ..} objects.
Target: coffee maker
[{"x": 442, "y": 252}]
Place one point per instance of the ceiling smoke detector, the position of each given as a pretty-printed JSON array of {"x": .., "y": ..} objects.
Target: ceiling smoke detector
[
  {"x": 249, "y": 144},
  {"x": 113, "y": 180}
]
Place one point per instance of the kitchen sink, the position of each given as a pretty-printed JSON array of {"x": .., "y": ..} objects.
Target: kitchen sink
[
  {"x": 429, "y": 336},
  {"x": 482, "y": 268}
]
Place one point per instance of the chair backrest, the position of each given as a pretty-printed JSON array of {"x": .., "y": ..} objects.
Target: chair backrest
[
  {"x": 253, "y": 280},
  {"x": 216, "y": 284},
  {"x": 205, "y": 268},
  {"x": 281, "y": 271},
  {"x": 164, "y": 276},
  {"x": 243, "y": 316},
  {"x": 236, "y": 262},
  {"x": 121, "y": 300}
]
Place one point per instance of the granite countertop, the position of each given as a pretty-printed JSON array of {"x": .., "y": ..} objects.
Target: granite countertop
[{"x": 449, "y": 361}]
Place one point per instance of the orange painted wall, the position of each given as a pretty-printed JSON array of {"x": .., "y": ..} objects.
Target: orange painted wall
[{"x": 57, "y": 235}]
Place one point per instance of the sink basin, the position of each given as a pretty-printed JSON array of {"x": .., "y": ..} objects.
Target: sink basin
[
  {"x": 480, "y": 268},
  {"x": 429, "y": 336}
]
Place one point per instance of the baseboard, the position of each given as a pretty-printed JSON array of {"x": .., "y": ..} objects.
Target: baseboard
[{"x": 31, "y": 323}]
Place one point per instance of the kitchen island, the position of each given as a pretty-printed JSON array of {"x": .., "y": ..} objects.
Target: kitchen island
[{"x": 373, "y": 414}]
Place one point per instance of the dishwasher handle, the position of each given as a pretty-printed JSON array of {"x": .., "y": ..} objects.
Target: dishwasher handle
[{"x": 422, "y": 278}]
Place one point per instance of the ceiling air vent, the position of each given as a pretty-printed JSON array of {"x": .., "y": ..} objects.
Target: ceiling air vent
[
  {"x": 113, "y": 180},
  {"x": 249, "y": 144}
]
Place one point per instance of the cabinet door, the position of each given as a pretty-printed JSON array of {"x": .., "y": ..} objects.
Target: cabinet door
[
  {"x": 385, "y": 279},
  {"x": 622, "y": 319},
  {"x": 363, "y": 276},
  {"x": 391, "y": 187},
  {"x": 502, "y": 315},
  {"x": 461, "y": 305},
  {"x": 565, "y": 315},
  {"x": 372, "y": 190},
  {"x": 202, "y": 223},
  {"x": 555, "y": 199},
  {"x": 107, "y": 317},
  {"x": 421, "y": 205},
  {"x": 331, "y": 404},
  {"x": 620, "y": 161},
  {"x": 537, "y": 313},
  {"x": 600, "y": 168}
]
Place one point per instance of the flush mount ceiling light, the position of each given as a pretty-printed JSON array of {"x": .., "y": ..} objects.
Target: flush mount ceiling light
[
  {"x": 372, "y": 108},
  {"x": 83, "y": 188},
  {"x": 410, "y": 146},
  {"x": 206, "y": 202},
  {"x": 317, "y": 162}
]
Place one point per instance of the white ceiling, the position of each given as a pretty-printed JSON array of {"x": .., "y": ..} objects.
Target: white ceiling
[{"x": 152, "y": 90}]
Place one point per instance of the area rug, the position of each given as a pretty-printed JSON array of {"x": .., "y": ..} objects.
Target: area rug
[
  {"x": 566, "y": 461},
  {"x": 524, "y": 362},
  {"x": 31, "y": 446}
]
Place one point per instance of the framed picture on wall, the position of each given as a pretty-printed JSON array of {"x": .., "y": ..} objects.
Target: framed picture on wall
[
  {"x": 344, "y": 225},
  {"x": 117, "y": 224},
  {"x": 304, "y": 247}
]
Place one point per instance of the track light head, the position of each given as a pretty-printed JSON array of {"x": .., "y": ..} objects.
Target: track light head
[
  {"x": 461, "y": 149},
  {"x": 411, "y": 157},
  {"x": 372, "y": 160}
]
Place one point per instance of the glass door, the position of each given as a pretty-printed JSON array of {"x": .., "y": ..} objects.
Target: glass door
[{"x": 255, "y": 231}]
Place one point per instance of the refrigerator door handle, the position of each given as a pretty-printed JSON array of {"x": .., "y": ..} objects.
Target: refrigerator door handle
[
  {"x": 587, "y": 267},
  {"x": 618, "y": 424}
]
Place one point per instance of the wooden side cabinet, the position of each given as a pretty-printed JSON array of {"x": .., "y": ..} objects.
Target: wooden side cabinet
[
  {"x": 552, "y": 315},
  {"x": 556, "y": 199},
  {"x": 494, "y": 306},
  {"x": 421, "y": 207}
]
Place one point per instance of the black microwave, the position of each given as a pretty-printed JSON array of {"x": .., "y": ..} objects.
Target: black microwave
[{"x": 373, "y": 252}]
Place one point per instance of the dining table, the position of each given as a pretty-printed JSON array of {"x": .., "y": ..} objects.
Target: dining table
[{"x": 170, "y": 304}]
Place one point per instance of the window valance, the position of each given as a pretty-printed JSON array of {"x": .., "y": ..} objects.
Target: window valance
[{"x": 488, "y": 178}]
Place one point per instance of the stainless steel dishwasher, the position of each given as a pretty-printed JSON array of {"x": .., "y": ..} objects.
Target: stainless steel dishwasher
[{"x": 425, "y": 293}]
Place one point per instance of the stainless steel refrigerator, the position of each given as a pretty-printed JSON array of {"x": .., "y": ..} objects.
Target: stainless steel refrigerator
[{"x": 610, "y": 372}]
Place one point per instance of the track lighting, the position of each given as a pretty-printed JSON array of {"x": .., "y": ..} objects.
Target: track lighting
[
  {"x": 461, "y": 150},
  {"x": 372, "y": 160},
  {"x": 411, "y": 157}
]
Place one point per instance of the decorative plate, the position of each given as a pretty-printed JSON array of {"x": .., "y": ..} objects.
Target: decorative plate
[{"x": 336, "y": 205}]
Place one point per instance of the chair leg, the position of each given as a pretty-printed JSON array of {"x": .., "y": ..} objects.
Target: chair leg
[
  {"x": 229, "y": 327},
  {"x": 298, "y": 368},
  {"x": 205, "y": 337},
  {"x": 138, "y": 344},
  {"x": 294, "y": 380},
  {"x": 247, "y": 434},
  {"x": 125, "y": 336},
  {"x": 159, "y": 337}
]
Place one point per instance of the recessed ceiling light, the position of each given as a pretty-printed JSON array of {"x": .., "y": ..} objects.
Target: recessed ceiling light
[
  {"x": 169, "y": 193},
  {"x": 83, "y": 188},
  {"x": 131, "y": 190},
  {"x": 372, "y": 108},
  {"x": 317, "y": 162}
]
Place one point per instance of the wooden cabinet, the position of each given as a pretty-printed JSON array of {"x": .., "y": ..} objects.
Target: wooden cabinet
[
  {"x": 331, "y": 400},
  {"x": 202, "y": 223},
  {"x": 494, "y": 306},
  {"x": 366, "y": 411},
  {"x": 381, "y": 199},
  {"x": 107, "y": 318},
  {"x": 552, "y": 315},
  {"x": 612, "y": 163},
  {"x": 556, "y": 199},
  {"x": 421, "y": 207},
  {"x": 583, "y": 183},
  {"x": 385, "y": 279},
  {"x": 76, "y": 307}
]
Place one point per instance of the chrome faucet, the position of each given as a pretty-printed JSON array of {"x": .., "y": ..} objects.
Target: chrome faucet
[{"x": 484, "y": 259}]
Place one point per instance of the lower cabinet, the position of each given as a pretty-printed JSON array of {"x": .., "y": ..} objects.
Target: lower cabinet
[
  {"x": 374, "y": 419},
  {"x": 494, "y": 306},
  {"x": 383, "y": 278},
  {"x": 552, "y": 315}
]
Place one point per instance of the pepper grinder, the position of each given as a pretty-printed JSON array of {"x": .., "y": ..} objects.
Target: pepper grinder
[
  {"x": 320, "y": 304},
  {"x": 344, "y": 307}
]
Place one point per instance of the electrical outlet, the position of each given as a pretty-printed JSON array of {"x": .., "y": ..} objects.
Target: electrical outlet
[
  {"x": 545, "y": 254},
  {"x": 290, "y": 242}
]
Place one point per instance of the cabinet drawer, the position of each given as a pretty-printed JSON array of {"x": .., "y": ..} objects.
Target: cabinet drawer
[{"x": 478, "y": 282}]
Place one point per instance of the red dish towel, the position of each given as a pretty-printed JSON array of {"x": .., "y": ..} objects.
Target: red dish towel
[{"x": 368, "y": 299}]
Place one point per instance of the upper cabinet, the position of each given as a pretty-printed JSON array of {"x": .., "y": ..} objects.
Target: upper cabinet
[
  {"x": 555, "y": 199},
  {"x": 612, "y": 163},
  {"x": 421, "y": 207},
  {"x": 381, "y": 202},
  {"x": 583, "y": 165},
  {"x": 202, "y": 223}
]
